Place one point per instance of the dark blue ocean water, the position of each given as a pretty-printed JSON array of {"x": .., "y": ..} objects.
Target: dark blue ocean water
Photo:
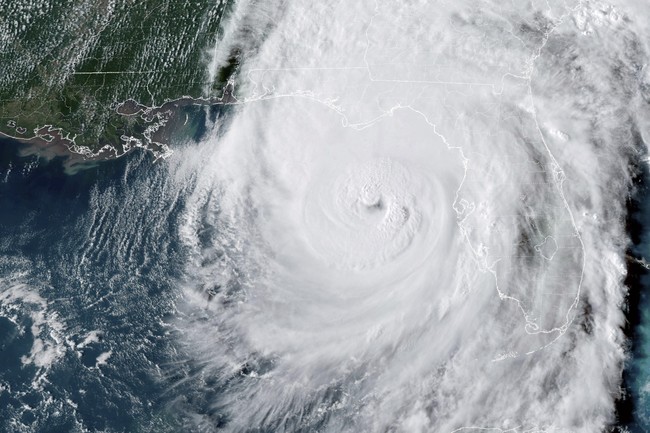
[
  {"x": 89, "y": 265},
  {"x": 98, "y": 271},
  {"x": 638, "y": 370},
  {"x": 635, "y": 411}
]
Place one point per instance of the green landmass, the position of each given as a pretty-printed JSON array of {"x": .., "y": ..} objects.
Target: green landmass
[{"x": 71, "y": 63}]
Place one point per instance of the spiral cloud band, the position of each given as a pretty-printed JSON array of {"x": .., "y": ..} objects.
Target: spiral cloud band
[{"x": 413, "y": 220}]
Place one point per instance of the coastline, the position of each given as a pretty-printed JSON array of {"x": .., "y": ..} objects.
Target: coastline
[{"x": 159, "y": 125}]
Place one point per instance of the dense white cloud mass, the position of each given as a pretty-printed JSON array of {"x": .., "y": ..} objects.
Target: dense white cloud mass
[{"x": 414, "y": 220}]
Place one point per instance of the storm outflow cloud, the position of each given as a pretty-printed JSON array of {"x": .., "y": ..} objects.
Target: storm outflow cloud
[{"x": 414, "y": 219}]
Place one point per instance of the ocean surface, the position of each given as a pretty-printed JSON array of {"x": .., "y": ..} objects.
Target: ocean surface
[
  {"x": 416, "y": 218},
  {"x": 87, "y": 264},
  {"x": 90, "y": 267},
  {"x": 634, "y": 407}
]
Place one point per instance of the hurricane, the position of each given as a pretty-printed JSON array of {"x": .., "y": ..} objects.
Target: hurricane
[
  {"x": 408, "y": 217},
  {"x": 399, "y": 229}
]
